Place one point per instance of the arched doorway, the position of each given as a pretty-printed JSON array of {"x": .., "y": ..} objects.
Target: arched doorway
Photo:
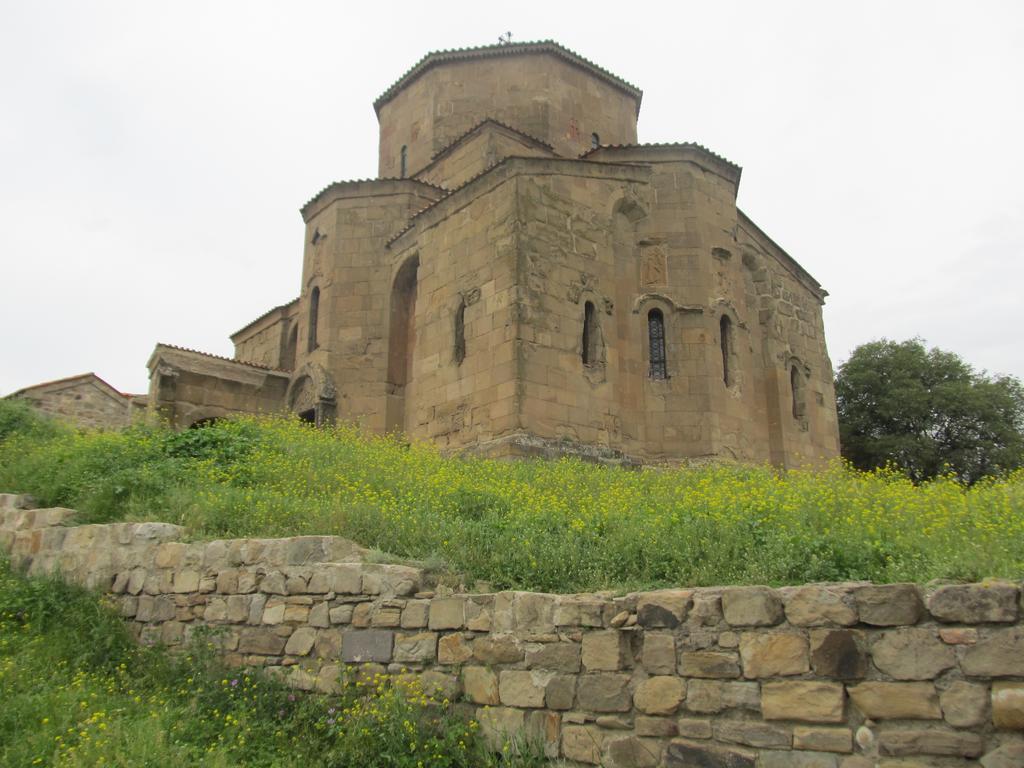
[{"x": 401, "y": 343}]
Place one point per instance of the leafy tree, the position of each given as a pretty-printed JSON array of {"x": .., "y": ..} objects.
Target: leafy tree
[{"x": 928, "y": 412}]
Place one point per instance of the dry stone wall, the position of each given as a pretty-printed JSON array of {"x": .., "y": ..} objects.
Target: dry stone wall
[{"x": 826, "y": 675}]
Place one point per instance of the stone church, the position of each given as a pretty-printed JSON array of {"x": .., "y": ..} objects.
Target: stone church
[{"x": 524, "y": 278}]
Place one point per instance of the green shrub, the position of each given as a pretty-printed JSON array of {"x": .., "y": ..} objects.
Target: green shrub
[
  {"x": 560, "y": 526},
  {"x": 78, "y": 692}
]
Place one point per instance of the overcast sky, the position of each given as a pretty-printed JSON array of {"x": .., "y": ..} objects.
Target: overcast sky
[{"x": 153, "y": 156}]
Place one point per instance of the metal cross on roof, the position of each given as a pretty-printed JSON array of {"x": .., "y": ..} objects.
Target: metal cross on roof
[{"x": 505, "y": 39}]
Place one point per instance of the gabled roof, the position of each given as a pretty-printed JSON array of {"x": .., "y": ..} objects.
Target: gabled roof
[
  {"x": 266, "y": 314},
  {"x": 664, "y": 145},
  {"x": 71, "y": 381},
  {"x": 483, "y": 123},
  {"x": 510, "y": 49},
  {"x": 161, "y": 345},
  {"x": 354, "y": 185}
]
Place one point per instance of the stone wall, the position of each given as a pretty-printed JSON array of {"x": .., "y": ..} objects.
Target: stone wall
[
  {"x": 832, "y": 676},
  {"x": 85, "y": 400}
]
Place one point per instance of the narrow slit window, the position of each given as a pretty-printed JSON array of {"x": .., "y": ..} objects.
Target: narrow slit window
[
  {"x": 725, "y": 336},
  {"x": 656, "y": 340},
  {"x": 595, "y": 141},
  {"x": 403, "y": 161},
  {"x": 589, "y": 334},
  {"x": 796, "y": 387},
  {"x": 314, "y": 312},
  {"x": 460, "y": 333}
]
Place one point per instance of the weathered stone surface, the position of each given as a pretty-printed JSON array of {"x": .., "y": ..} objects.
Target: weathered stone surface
[
  {"x": 812, "y": 702},
  {"x": 447, "y": 613},
  {"x": 815, "y": 606},
  {"x": 320, "y": 615},
  {"x": 632, "y": 752},
  {"x": 659, "y": 695},
  {"x": 583, "y": 743},
  {"x": 273, "y": 613},
  {"x": 659, "y": 653},
  {"x": 689, "y": 754},
  {"x": 975, "y": 603},
  {"x": 560, "y": 657},
  {"x": 480, "y": 685},
  {"x": 415, "y": 614},
  {"x": 497, "y": 649},
  {"x": 998, "y": 653},
  {"x": 665, "y": 608},
  {"x": 420, "y": 647},
  {"x": 694, "y": 727},
  {"x": 656, "y": 726},
  {"x": 958, "y": 635},
  {"x": 896, "y": 701},
  {"x": 522, "y": 688},
  {"x": 752, "y": 606},
  {"x": 778, "y": 759},
  {"x": 912, "y": 654},
  {"x": 389, "y": 580},
  {"x": 930, "y": 742},
  {"x": 257, "y": 640},
  {"x": 500, "y": 725},
  {"x": 889, "y": 605},
  {"x": 709, "y": 664},
  {"x": 752, "y": 733},
  {"x": 964, "y": 704},
  {"x": 823, "y": 739},
  {"x": 301, "y": 641},
  {"x": 1008, "y": 706},
  {"x": 453, "y": 649},
  {"x": 767, "y": 654},
  {"x": 1006, "y": 756},
  {"x": 838, "y": 654},
  {"x": 604, "y": 651},
  {"x": 367, "y": 645},
  {"x": 560, "y": 692},
  {"x": 604, "y": 692},
  {"x": 341, "y": 614},
  {"x": 713, "y": 696}
]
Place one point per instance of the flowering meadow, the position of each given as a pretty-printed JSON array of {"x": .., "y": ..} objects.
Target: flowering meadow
[
  {"x": 561, "y": 526},
  {"x": 76, "y": 691}
]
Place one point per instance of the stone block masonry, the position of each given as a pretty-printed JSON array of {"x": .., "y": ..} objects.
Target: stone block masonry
[{"x": 818, "y": 676}]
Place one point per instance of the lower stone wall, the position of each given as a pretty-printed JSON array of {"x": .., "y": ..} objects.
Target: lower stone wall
[{"x": 820, "y": 676}]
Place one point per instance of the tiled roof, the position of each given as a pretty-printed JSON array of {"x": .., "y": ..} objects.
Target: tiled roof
[
  {"x": 68, "y": 380},
  {"x": 509, "y": 49},
  {"x": 659, "y": 145},
  {"x": 367, "y": 181},
  {"x": 221, "y": 357},
  {"x": 265, "y": 314}
]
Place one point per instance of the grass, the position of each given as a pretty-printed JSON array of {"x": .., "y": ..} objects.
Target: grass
[
  {"x": 76, "y": 691},
  {"x": 554, "y": 526}
]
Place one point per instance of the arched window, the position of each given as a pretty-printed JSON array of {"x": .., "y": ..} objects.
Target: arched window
[
  {"x": 796, "y": 386},
  {"x": 725, "y": 338},
  {"x": 656, "y": 342},
  {"x": 403, "y": 162},
  {"x": 460, "y": 333},
  {"x": 595, "y": 141},
  {"x": 590, "y": 334},
  {"x": 314, "y": 313}
]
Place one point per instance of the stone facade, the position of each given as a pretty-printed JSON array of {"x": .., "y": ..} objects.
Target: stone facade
[
  {"x": 85, "y": 400},
  {"x": 524, "y": 278},
  {"x": 820, "y": 676}
]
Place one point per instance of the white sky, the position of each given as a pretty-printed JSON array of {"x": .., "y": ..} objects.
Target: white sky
[{"x": 153, "y": 156}]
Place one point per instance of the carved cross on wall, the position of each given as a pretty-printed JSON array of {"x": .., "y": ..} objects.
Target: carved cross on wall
[{"x": 317, "y": 237}]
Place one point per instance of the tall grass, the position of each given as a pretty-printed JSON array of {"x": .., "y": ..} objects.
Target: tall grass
[{"x": 544, "y": 525}]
